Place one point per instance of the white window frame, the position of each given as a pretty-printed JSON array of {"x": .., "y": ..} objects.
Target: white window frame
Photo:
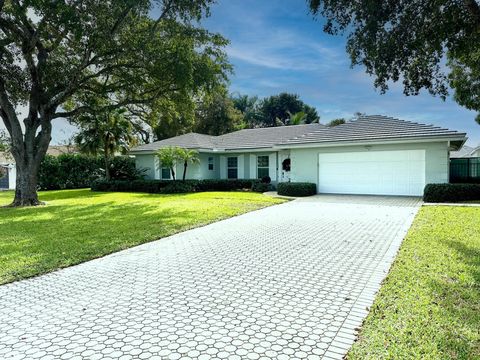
[
  {"x": 263, "y": 167},
  {"x": 232, "y": 167},
  {"x": 211, "y": 161}
]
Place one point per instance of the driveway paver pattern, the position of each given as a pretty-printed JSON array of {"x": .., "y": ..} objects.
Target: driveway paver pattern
[{"x": 292, "y": 281}]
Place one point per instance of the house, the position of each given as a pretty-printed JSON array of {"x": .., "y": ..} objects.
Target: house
[
  {"x": 8, "y": 172},
  {"x": 466, "y": 152},
  {"x": 375, "y": 154}
]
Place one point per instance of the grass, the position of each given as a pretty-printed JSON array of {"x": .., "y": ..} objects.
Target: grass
[
  {"x": 429, "y": 305},
  {"x": 80, "y": 225}
]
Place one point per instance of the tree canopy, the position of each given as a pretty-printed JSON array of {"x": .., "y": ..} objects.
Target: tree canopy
[
  {"x": 408, "y": 41},
  {"x": 55, "y": 52}
]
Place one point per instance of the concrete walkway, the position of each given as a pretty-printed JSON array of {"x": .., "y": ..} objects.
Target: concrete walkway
[{"x": 290, "y": 281}]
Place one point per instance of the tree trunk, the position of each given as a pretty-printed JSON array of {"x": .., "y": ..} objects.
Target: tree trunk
[
  {"x": 184, "y": 170},
  {"x": 107, "y": 168},
  {"x": 26, "y": 186},
  {"x": 173, "y": 173}
]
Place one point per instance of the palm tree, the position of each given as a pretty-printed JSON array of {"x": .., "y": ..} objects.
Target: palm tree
[
  {"x": 167, "y": 158},
  {"x": 105, "y": 135},
  {"x": 187, "y": 156},
  {"x": 297, "y": 118}
]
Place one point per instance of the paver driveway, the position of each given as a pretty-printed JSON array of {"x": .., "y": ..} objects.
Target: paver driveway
[{"x": 289, "y": 281}]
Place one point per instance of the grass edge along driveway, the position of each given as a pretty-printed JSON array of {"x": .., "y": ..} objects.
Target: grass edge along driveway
[
  {"x": 429, "y": 305},
  {"x": 80, "y": 225}
]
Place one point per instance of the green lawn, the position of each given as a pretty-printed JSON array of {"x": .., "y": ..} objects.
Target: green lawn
[
  {"x": 79, "y": 225},
  {"x": 429, "y": 305}
]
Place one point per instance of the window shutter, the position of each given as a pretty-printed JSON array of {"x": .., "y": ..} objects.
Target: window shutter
[
  {"x": 241, "y": 166},
  {"x": 223, "y": 167},
  {"x": 253, "y": 166},
  {"x": 272, "y": 166}
]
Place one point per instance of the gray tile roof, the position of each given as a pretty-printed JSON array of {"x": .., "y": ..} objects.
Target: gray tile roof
[
  {"x": 190, "y": 141},
  {"x": 374, "y": 127},
  {"x": 465, "y": 152},
  {"x": 365, "y": 128}
]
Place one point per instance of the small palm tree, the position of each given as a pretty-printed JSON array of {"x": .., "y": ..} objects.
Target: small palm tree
[
  {"x": 187, "y": 156},
  {"x": 105, "y": 135},
  {"x": 297, "y": 118},
  {"x": 167, "y": 157}
]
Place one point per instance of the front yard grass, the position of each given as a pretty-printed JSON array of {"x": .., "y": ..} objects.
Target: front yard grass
[
  {"x": 80, "y": 225},
  {"x": 429, "y": 305}
]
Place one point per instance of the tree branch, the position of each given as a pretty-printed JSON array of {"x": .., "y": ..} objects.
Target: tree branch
[{"x": 474, "y": 9}]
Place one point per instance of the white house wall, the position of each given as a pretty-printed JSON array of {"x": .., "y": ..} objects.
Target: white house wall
[{"x": 304, "y": 162}]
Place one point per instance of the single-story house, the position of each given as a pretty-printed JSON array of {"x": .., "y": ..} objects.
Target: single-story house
[
  {"x": 370, "y": 155},
  {"x": 466, "y": 152},
  {"x": 8, "y": 173}
]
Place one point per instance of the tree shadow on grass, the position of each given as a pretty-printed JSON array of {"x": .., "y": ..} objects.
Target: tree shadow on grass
[
  {"x": 57, "y": 236},
  {"x": 459, "y": 296}
]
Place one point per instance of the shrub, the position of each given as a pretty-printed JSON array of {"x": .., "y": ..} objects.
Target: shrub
[
  {"x": 451, "y": 192},
  {"x": 261, "y": 187},
  {"x": 296, "y": 189},
  {"x": 266, "y": 180},
  {"x": 74, "y": 171},
  {"x": 168, "y": 186}
]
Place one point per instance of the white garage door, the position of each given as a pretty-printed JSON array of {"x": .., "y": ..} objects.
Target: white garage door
[{"x": 372, "y": 172}]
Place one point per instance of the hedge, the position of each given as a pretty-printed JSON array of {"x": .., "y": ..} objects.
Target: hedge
[
  {"x": 74, "y": 171},
  {"x": 436, "y": 193},
  {"x": 169, "y": 187},
  {"x": 296, "y": 189}
]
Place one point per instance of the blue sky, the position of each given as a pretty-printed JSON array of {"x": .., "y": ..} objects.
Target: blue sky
[{"x": 277, "y": 46}]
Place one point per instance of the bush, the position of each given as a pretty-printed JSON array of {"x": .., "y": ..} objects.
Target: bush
[
  {"x": 168, "y": 186},
  {"x": 296, "y": 189},
  {"x": 451, "y": 192},
  {"x": 261, "y": 187},
  {"x": 74, "y": 171}
]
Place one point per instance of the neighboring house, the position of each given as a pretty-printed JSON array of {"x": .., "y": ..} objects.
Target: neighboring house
[
  {"x": 371, "y": 155},
  {"x": 7, "y": 171},
  {"x": 466, "y": 152},
  {"x": 8, "y": 164}
]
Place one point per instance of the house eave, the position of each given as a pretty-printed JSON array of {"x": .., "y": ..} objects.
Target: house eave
[{"x": 458, "y": 140}]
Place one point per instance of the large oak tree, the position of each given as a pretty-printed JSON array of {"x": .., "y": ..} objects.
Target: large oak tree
[
  {"x": 408, "y": 41},
  {"x": 56, "y": 55}
]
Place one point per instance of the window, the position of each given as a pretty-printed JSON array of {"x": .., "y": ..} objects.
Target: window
[
  {"x": 232, "y": 167},
  {"x": 262, "y": 166},
  {"x": 210, "y": 163},
  {"x": 165, "y": 173}
]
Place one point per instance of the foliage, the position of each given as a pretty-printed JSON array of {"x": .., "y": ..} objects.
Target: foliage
[
  {"x": 167, "y": 158},
  {"x": 90, "y": 225},
  {"x": 277, "y": 109},
  {"x": 4, "y": 141},
  {"x": 187, "y": 156},
  {"x": 296, "y": 189},
  {"x": 218, "y": 116},
  {"x": 336, "y": 122},
  {"x": 73, "y": 171},
  {"x": 451, "y": 192},
  {"x": 428, "y": 306},
  {"x": 163, "y": 186},
  {"x": 104, "y": 134},
  {"x": 248, "y": 106},
  {"x": 55, "y": 54},
  {"x": 261, "y": 186},
  {"x": 407, "y": 40},
  {"x": 465, "y": 79},
  {"x": 297, "y": 118}
]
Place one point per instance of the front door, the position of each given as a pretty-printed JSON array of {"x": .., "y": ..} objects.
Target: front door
[{"x": 284, "y": 166}]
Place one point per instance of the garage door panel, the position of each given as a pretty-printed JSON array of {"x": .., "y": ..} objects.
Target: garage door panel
[{"x": 373, "y": 172}]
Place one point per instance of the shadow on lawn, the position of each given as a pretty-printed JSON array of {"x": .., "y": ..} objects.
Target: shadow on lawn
[
  {"x": 460, "y": 300},
  {"x": 31, "y": 244}
]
